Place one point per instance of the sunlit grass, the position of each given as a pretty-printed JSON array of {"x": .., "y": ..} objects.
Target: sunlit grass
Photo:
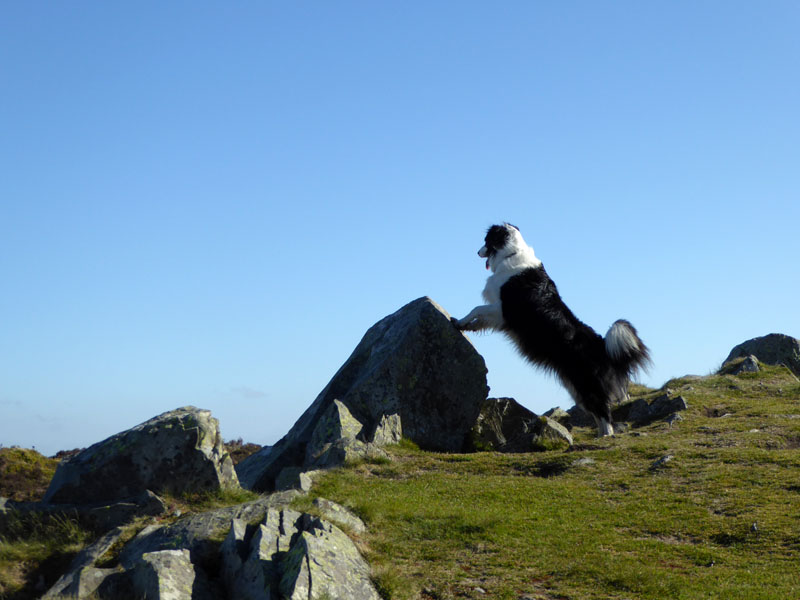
[{"x": 720, "y": 520}]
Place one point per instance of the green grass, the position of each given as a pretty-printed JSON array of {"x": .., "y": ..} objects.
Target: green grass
[
  {"x": 503, "y": 526},
  {"x": 34, "y": 548}
]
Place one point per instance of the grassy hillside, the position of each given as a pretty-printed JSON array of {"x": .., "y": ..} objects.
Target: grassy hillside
[{"x": 720, "y": 519}]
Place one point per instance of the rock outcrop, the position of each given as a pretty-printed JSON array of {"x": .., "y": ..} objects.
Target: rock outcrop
[
  {"x": 772, "y": 349},
  {"x": 413, "y": 375},
  {"x": 269, "y": 551},
  {"x": 637, "y": 413},
  {"x": 175, "y": 452}
]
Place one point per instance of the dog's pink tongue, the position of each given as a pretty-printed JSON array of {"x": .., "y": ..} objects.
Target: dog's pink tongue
[{"x": 487, "y": 264}]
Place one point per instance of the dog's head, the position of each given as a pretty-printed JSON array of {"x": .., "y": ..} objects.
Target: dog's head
[{"x": 501, "y": 242}]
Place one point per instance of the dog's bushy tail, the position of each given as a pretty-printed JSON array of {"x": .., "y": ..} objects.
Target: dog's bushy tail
[{"x": 625, "y": 348}]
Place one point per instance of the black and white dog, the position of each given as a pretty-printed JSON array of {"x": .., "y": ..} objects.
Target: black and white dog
[{"x": 523, "y": 302}]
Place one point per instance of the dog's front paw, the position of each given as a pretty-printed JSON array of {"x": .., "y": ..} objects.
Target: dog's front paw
[
  {"x": 456, "y": 323},
  {"x": 467, "y": 325}
]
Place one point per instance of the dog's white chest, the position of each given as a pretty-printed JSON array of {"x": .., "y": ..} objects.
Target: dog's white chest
[{"x": 491, "y": 291}]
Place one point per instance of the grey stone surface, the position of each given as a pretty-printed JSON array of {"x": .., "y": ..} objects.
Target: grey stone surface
[
  {"x": 165, "y": 575},
  {"x": 413, "y": 374},
  {"x": 293, "y": 555},
  {"x": 323, "y": 562},
  {"x": 503, "y": 425},
  {"x": 549, "y": 435},
  {"x": 232, "y": 552},
  {"x": 735, "y": 366},
  {"x": 559, "y": 415},
  {"x": 175, "y": 452},
  {"x": 82, "y": 579},
  {"x": 772, "y": 349},
  {"x": 331, "y": 511}
]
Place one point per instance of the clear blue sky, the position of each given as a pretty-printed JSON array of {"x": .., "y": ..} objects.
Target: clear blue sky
[{"x": 210, "y": 203}]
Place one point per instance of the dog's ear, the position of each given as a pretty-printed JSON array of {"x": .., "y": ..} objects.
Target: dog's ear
[{"x": 514, "y": 226}]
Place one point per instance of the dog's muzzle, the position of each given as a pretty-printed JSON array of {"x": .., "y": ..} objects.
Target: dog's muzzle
[{"x": 484, "y": 253}]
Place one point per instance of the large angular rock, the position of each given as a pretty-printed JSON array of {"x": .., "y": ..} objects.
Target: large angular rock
[
  {"x": 772, "y": 349},
  {"x": 175, "y": 452},
  {"x": 413, "y": 374}
]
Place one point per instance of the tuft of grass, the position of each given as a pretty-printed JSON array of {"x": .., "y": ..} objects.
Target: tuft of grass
[
  {"x": 190, "y": 502},
  {"x": 720, "y": 520},
  {"x": 35, "y": 549}
]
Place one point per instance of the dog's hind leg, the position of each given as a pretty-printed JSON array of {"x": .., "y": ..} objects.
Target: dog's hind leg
[
  {"x": 604, "y": 427},
  {"x": 485, "y": 316}
]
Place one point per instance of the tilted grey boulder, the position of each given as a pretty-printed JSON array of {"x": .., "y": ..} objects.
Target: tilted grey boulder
[
  {"x": 175, "y": 452},
  {"x": 772, "y": 349},
  {"x": 413, "y": 375}
]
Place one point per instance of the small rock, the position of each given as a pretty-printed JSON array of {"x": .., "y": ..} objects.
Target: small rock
[
  {"x": 672, "y": 419},
  {"x": 561, "y": 416},
  {"x": 661, "y": 462},
  {"x": 550, "y": 435},
  {"x": 338, "y": 513},
  {"x": 583, "y": 462},
  {"x": 503, "y": 425}
]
